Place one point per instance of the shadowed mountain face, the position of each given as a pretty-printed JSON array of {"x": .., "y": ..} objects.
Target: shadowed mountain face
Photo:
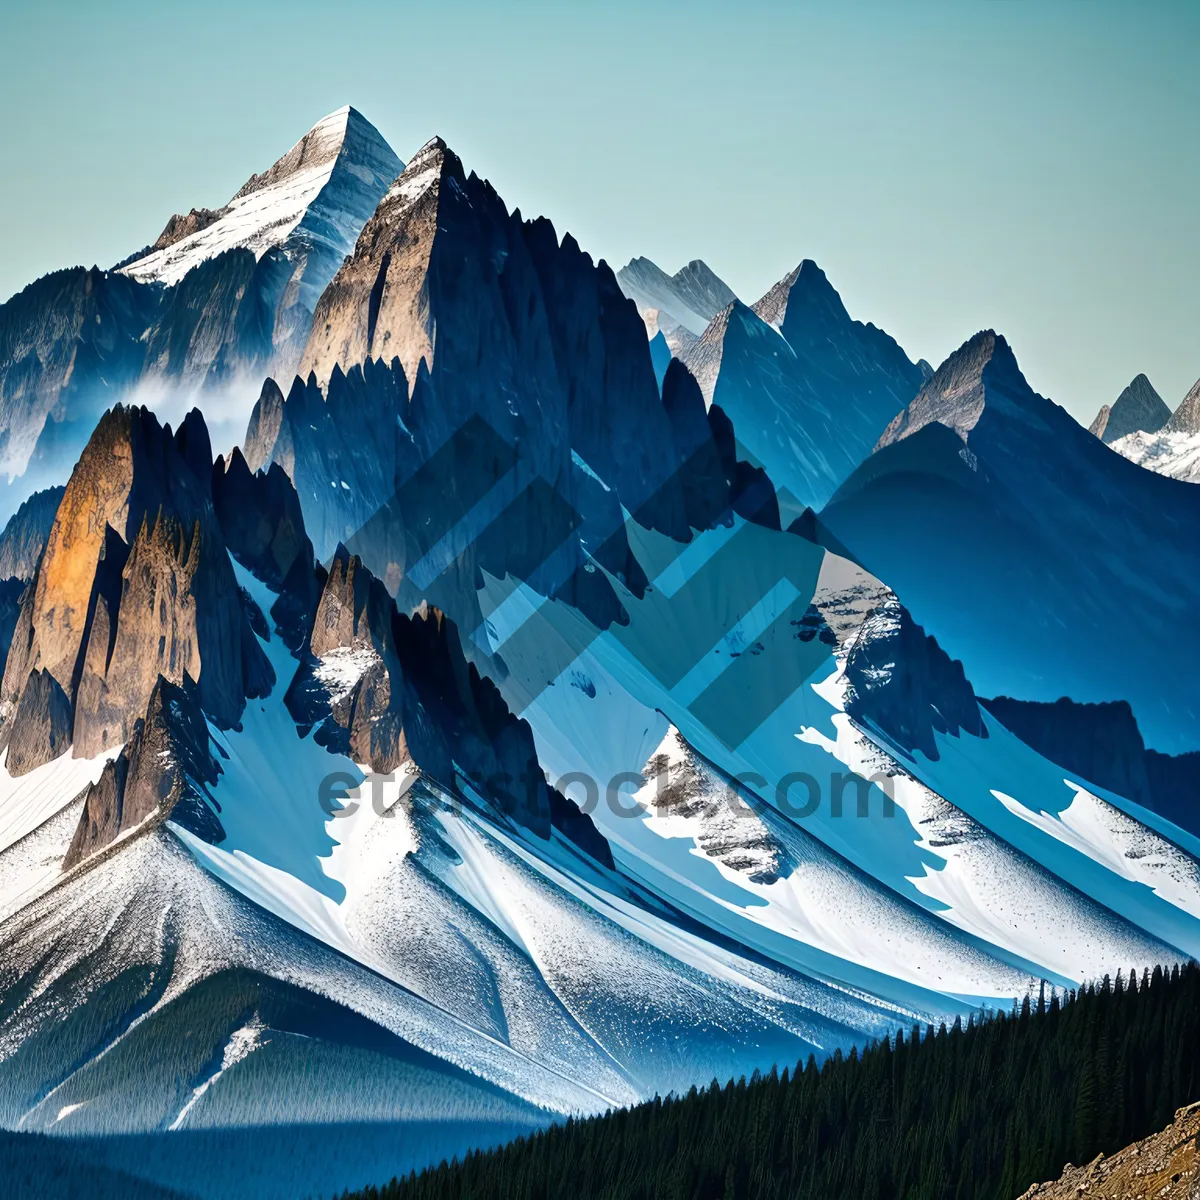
[
  {"x": 1138, "y": 407},
  {"x": 808, "y": 388},
  {"x": 26, "y": 533},
  {"x": 222, "y": 298},
  {"x": 480, "y": 397},
  {"x": 1042, "y": 561},
  {"x": 1102, "y": 743}
]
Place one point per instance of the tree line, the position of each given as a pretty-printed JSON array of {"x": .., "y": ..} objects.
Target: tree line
[{"x": 971, "y": 1112}]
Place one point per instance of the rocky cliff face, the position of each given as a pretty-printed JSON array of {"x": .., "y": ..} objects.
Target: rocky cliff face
[
  {"x": 388, "y": 689},
  {"x": 25, "y": 534},
  {"x": 164, "y": 771},
  {"x": 134, "y": 583},
  {"x": 1138, "y": 407}
]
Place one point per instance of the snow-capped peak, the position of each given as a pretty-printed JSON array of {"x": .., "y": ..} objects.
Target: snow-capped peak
[
  {"x": 422, "y": 173},
  {"x": 321, "y": 175}
]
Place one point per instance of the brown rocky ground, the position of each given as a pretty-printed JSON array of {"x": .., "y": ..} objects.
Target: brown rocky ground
[{"x": 1164, "y": 1166}]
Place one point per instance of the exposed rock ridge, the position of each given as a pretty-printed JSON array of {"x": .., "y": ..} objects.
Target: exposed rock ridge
[
  {"x": 165, "y": 770},
  {"x": 901, "y": 683},
  {"x": 389, "y": 689},
  {"x": 1186, "y": 418},
  {"x": 955, "y": 396},
  {"x": 134, "y": 583},
  {"x": 1164, "y": 1165}
]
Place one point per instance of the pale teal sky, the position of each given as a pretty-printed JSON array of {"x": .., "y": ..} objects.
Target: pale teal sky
[{"x": 1032, "y": 165}]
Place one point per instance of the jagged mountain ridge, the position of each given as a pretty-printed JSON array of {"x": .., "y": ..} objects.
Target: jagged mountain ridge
[
  {"x": 532, "y": 958},
  {"x": 536, "y": 407},
  {"x": 134, "y": 581}
]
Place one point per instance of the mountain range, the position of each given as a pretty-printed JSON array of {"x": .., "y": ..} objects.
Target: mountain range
[
  {"x": 220, "y": 298},
  {"x": 572, "y": 686}
]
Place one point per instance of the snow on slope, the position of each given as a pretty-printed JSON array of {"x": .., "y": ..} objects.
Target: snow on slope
[
  {"x": 301, "y": 189},
  {"x": 940, "y": 893},
  {"x": 26, "y": 801},
  {"x": 1176, "y": 455},
  {"x": 495, "y": 929},
  {"x": 985, "y": 886}
]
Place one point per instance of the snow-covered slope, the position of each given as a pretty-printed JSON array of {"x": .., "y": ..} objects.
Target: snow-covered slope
[
  {"x": 1176, "y": 455},
  {"x": 312, "y": 194},
  {"x": 891, "y": 870}
]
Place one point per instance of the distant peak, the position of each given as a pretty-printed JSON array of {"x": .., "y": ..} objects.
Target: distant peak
[
  {"x": 343, "y": 149},
  {"x": 1186, "y": 418},
  {"x": 956, "y": 394},
  {"x": 804, "y": 293},
  {"x": 1139, "y": 408}
]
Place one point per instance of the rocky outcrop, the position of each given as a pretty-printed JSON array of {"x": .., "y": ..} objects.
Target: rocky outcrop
[
  {"x": 1138, "y": 408},
  {"x": 180, "y": 226},
  {"x": 901, "y": 683},
  {"x": 26, "y": 533},
  {"x": 1186, "y": 418},
  {"x": 726, "y": 824},
  {"x": 388, "y": 689},
  {"x": 1165, "y": 1166},
  {"x": 135, "y": 582},
  {"x": 164, "y": 770}
]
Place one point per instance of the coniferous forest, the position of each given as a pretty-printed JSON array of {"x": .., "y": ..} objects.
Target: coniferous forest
[{"x": 968, "y": 1113}]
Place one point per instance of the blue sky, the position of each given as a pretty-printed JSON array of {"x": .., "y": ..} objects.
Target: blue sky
[{"x": 1030, "y": 165}]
